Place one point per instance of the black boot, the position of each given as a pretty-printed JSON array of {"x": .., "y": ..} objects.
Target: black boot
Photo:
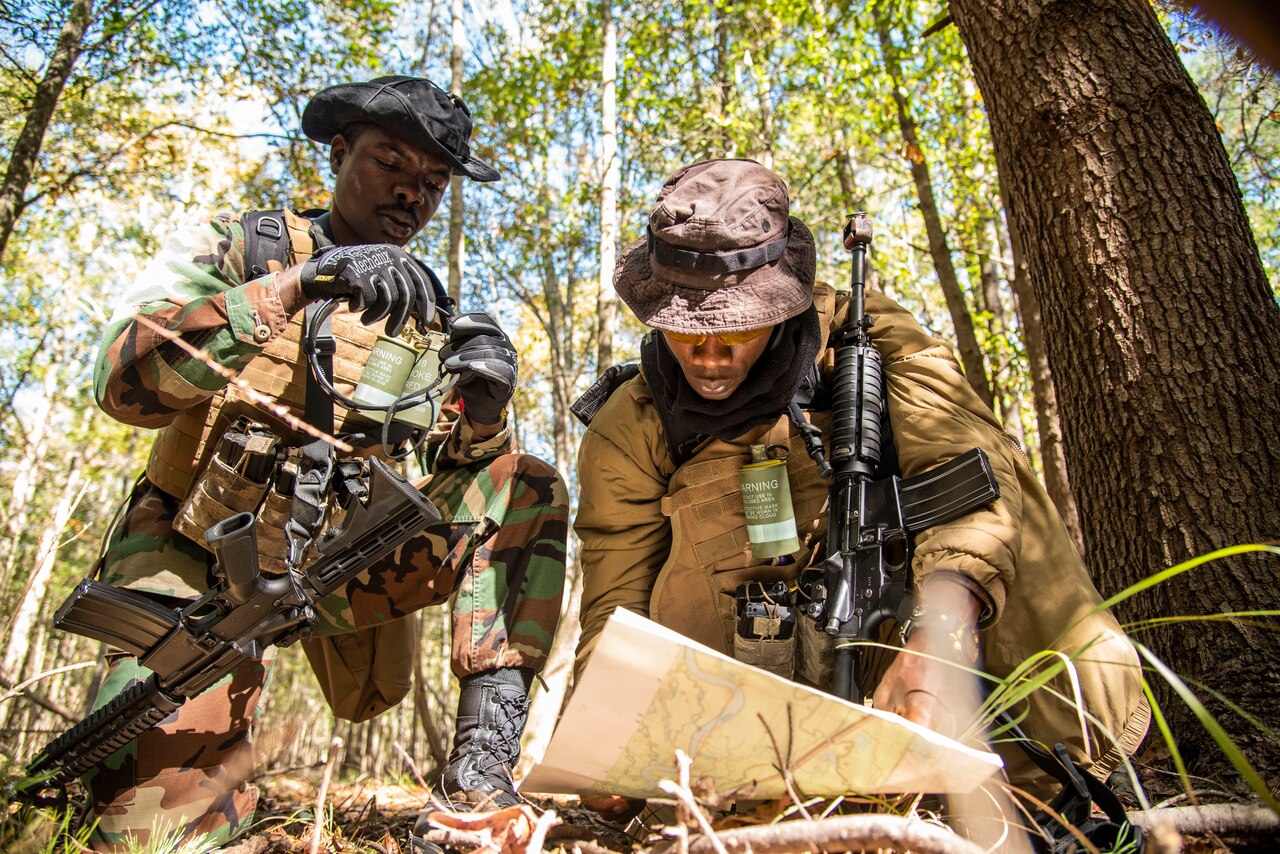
[{"x": 492, "y": 711}]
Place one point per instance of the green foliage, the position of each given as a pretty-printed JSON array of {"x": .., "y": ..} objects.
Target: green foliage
[
  {"x": 177, "y": 108},
  {"x": 1034, "y": 675},
  {"x": 1244, "y": 97},
  {"x": 34, "y": 830}
]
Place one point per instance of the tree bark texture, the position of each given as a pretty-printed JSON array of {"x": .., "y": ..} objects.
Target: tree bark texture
[
  {"x": 26, "y": 150},
  {"x": 961, "y": 320},
  {"x": 1162, "y": 332}
]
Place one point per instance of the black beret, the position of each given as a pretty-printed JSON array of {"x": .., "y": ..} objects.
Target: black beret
[{"x": 413, "y": 108}]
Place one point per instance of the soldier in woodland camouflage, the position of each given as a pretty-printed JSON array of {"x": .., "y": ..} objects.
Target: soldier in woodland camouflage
[{"x": 498, "y": 552}]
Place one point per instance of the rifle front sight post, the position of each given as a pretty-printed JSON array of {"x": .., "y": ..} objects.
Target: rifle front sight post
[
  {"x": 857, "y": 231},
  {"x": 857, "y": 237}
]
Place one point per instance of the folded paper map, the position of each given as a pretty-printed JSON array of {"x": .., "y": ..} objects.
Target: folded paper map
[{"x": 648, "y": 691}]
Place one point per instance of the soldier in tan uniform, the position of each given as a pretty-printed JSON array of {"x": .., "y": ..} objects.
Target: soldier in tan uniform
[
  {"x": 726, "y": 279},
  {"x": 498, "y": 553}
]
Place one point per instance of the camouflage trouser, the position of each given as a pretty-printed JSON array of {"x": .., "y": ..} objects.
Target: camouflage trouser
[{"x": 500, "y": 551}]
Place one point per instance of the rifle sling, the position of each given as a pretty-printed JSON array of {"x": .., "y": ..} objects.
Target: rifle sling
[
  {"x": 1080, "y": 789},
  {"x": 312, "y": 485}
]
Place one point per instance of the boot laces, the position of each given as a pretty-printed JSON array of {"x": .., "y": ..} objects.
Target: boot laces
[{"x": 511, "y": 711}]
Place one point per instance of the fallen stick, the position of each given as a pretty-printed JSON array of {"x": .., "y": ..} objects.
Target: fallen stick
[
  {"x": 317, "y": 832},
  {"x": 1222, "y": 819},
  {"x": 843, "y": 833}
]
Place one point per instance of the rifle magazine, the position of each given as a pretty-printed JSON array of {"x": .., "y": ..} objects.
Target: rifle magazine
[
  {"x": 948, "y": 491},
  {"x": 120, "y": 618}
]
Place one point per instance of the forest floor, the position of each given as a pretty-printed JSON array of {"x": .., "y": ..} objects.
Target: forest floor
[{"x": 366, "y": 816}]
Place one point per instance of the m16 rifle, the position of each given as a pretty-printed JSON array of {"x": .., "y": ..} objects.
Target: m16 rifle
[
  {"x": 189, "y": 649},
  {"x": 871, "y": 522}
]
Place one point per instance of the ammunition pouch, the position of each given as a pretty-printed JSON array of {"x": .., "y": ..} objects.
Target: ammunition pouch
[
  {"x": 219, "y": 492},
  {"x": 815, "y": 653},
  {"x": 365, "y": 672},
  {"x": 247, "y": 473},
  {"x": 776, "y": 655},
  {"x": 764, "y": 636}
]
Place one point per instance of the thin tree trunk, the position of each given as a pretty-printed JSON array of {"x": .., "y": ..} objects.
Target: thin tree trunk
[
  {"x": 1053, "y": 460},
  {"x": 457, "y": 205},
  {"x": 1157, "y": 309},
  {"x": 23, "y": 624},
  {"x": 437, "y": 740},
  {"x": 723, "y": 78},
  {"x": 559, "y": 667},
  {"x": 767, "y": 129},
  {"x": 845, "y": 168},
  {"x": 26, "y": 150},
  {"x": 966, "y": 340},
  {"x": 850, "y": 198},
  {"x": 607, "y": 302},
  {"x": 24, "y": 615},
  {"x": 1008, "y": 401},
  {"x": 27, "y": 479}
]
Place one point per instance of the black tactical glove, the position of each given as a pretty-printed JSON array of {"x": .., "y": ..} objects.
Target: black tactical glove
[
  {"x": 482, "y": 357},
  {"x": 378, "y": 278}
]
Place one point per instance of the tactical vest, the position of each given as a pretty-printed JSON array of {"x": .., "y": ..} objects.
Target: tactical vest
[
  {"x": 362, "y": 673},
  {"x": 183, "y": 447},
  {"x": 710, "y": 551}
]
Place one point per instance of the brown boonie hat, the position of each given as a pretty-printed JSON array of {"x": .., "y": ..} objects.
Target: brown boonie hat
[
  {"x": 721, "y": 254},
  {"x": 413, "y": 108}
]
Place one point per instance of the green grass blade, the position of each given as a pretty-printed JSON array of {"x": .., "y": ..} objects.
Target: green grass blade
[
  {"x": 1215, "y": 730},
  {"x": 1185, "y": 566}
]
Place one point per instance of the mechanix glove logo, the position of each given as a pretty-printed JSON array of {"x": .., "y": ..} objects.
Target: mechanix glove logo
[{"x": 379, "y": 279}]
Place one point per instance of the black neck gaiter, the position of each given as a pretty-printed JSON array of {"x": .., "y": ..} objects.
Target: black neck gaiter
[{"x": 764, "y": 395}]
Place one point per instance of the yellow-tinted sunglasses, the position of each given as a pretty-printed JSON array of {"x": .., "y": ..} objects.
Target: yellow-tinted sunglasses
[{"x": 732, "y": 339}]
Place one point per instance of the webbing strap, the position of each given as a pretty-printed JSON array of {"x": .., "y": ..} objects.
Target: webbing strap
[
  {"x": 731, "y": 261},
  {"x": 266, "y": 238},
  {"x": 312, "y": 485},
  {"x": 318, "y": 407},
  {"x": 1080, "y": 790}
]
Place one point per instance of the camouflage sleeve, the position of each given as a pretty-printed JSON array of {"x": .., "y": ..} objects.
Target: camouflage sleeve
[
  {"x": 937, "y": 416},
  {"x": 456, "y": 444},
  {"x": 193, "y": 288}
]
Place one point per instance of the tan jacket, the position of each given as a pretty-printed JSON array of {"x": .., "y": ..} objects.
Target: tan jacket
[{"x": 666, "y": 541}]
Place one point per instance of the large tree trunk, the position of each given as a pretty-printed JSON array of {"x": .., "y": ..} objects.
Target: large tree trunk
[
  {"x": 607, "y": 301},
  {"x": 962, "y": 322},
  {"x": 26, "y": 150},
  {"x": 1160, "y": 325}
]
